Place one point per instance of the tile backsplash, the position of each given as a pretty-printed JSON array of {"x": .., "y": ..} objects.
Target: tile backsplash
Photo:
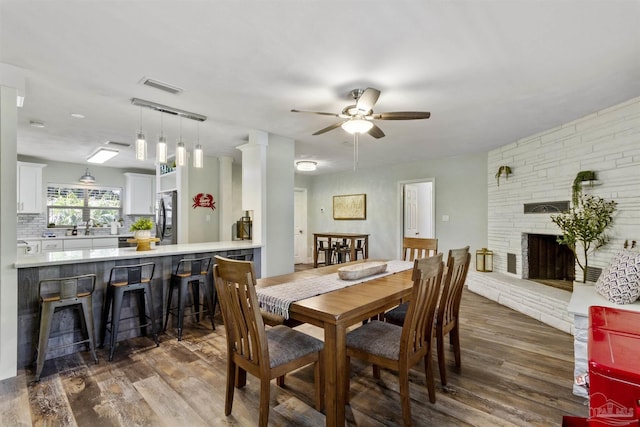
[{"x": 30, "y": 225}]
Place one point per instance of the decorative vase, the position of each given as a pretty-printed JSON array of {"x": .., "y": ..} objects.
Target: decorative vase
[{"x": 142, "y": 234}]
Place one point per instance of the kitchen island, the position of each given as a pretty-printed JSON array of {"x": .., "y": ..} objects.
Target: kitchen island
[{"x": 33, "y": 268}]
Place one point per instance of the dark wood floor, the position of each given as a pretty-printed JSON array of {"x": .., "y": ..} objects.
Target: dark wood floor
[{"x": 516, "y": 371}]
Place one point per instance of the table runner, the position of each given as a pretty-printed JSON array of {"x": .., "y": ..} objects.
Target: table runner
[{"x": 277, "y": 299}]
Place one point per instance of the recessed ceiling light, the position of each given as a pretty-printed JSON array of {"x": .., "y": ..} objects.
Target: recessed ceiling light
[
  {"x": 77, "y": 115},
  {"x": 306, "y": 165},
  {"x": 102, "y": 155},
  {"x": 36, "y": 124}
]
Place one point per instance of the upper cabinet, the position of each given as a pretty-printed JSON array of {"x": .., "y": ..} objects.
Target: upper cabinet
[
  {"x": 29, "y": 181},
  {"x": 139, "y": 194}
]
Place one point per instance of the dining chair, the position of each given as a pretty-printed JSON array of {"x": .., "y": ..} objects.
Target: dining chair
[
  {"x": 390, "y": 346},
  {"x": 414, "y": 247},
  {"x": 458, "y": 261},
  {"x": 447, "y": 318},
  {"x": 266, "y": 354}
]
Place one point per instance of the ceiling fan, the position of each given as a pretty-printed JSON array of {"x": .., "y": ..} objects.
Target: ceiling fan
[{"x": 358, "y": 118}]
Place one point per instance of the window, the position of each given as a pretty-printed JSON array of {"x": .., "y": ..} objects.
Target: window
[{"x": 68, "y": 205}]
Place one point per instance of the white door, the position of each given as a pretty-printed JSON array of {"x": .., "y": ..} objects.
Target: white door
[
  {"x": 299, "y": 225},
  {"x": 411, "y": 211}
]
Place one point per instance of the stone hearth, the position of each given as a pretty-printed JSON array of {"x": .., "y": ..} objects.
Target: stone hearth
[{"x": 544, "y": 303}]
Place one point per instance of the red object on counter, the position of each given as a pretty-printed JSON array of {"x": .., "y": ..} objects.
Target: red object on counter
[{"x": 614, "y": 369}]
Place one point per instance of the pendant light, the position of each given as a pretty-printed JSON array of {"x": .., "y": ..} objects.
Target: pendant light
[
  {"x": 87, "y": 178},
  {"x": 141, "y": 142},
  {"x": 161, "y": 147},
  {"x": 198, "y": 155},
  {"x": 181, "y": 151}
]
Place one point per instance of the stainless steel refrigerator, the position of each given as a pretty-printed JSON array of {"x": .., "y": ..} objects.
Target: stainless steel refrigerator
[{"x": 167, "y": 218}]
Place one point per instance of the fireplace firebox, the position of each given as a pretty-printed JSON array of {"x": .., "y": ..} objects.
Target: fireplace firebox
[{"x": 544, "y": 259}]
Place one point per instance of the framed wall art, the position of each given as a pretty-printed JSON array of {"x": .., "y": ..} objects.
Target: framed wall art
[{"x": 350, "y": 206}]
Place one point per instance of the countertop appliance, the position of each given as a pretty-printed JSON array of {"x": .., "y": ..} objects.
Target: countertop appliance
[{"x": 167, "y": 218}]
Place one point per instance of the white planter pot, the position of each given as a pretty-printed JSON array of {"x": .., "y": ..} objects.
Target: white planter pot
[{"x": 142, "y": 234}]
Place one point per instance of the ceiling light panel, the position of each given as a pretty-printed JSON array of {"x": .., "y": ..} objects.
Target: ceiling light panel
[{"x": 102, "y": 155}]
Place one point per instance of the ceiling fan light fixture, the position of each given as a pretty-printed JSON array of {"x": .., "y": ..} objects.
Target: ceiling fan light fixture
[
  {"x": 306, "y": 165},
  {"x": 87, "y": 178},
  {"x": 357, "y": 125}
]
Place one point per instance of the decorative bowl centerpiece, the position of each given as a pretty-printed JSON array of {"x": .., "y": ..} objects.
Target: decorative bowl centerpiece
[{"x": 358, "y": 271}]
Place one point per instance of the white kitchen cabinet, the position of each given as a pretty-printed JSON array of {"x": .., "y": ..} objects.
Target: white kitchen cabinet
[
  {"x": 139, "y": 194},
  {"x": 52, "y": 245},
  {"x": 29, "y": 185},
  {"x": 105, "y": 242}
]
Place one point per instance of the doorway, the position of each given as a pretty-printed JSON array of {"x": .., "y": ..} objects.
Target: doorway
[
  {"x": 300, "y": 242},
  {"x": 417, "y": 209}
]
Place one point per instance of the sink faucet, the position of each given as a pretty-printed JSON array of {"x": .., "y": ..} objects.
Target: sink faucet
[{"x": 87, "y": 229}]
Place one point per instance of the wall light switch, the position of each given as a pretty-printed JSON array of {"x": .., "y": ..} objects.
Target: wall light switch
[{"x": 445, "y": 218}]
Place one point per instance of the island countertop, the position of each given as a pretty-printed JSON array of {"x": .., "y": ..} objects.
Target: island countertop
[{"x": 93, "y": 255}]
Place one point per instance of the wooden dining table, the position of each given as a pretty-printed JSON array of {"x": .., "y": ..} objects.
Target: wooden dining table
[
  {"x": 334, "y": 312},
  {"x": 338, "y": 237}
]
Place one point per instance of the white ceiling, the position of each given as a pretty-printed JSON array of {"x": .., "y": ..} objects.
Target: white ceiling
[{"x": 490, "y": 72}]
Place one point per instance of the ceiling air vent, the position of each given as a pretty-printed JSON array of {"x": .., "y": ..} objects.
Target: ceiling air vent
[
  {"x": 119, "y": 144},
  {"x": 161, "y": 85}
]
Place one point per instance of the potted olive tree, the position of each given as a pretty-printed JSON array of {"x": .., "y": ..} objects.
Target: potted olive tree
[
  {"x": 583, "y": 227},
  {"x": 142, "y": 228}
]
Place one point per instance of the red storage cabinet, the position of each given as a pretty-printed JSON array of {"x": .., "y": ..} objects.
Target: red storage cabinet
[{"x": 614, "y": 367}]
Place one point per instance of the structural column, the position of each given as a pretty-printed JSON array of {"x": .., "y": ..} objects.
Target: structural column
[
  {"x": 225, "y": 205},
  {"x": 254, "y": 187},
  {"x": 8, "y": 219}
]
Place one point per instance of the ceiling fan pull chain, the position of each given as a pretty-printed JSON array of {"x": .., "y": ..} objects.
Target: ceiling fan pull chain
[{"x": 355, "y": 150}]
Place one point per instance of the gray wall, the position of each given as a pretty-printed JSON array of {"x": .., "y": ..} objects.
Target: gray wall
[
  {"x": 460, "y": 188},
  {"x": 204, "y": 222}
]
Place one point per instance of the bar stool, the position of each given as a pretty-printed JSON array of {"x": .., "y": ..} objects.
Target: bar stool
[
  {"x": 342, "y": 251},
  {"x": 122, "y": 280},
  {"x": 196, "y": 272},
  {"x": 66, "y": 292},
  {"x": 359, "y": 249},
  {"x": 326, "y": 250}
]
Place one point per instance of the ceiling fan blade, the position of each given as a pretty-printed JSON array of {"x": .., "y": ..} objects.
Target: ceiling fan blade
[
  {"x": 368, "y": 99},
  {"x": 328, "y": 128},
  {"x": 315, "y": 112},
  {"x": 402, "y": 115},
  {"x": 376, "y": 132}
]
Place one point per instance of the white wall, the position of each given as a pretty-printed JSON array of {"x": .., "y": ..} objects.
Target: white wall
[
  {"x": 544, "y": 167},
  {"x": 279, "y": 205},
  {"x": 204, "y": 222},
  {"x": 460, "y": 192}
]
